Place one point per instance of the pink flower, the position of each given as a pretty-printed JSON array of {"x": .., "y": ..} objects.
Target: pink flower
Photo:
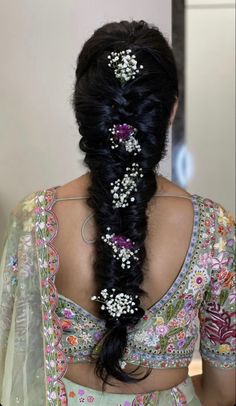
[
  {"x": 216, "y": 288},
  {"x": 90, "y": 399},
  {"x": 204, "y": 260},
  {"x": 220, "y": 261},
  {"x": 66, "y": 324},
  {"x": 39, "y": 242},
  {"x": 48, "y": 349},
  {"x": 68, "y": 313},
  {"x": 232, "y": 297},
  {"x": 162, "y": 329},
  {"x": 170, "y": 348},
  {"x": 181, "y": 343}
]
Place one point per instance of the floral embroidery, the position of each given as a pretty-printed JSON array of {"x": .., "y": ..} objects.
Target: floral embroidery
[
  {"x": 159, "y": 320},
  {"x": 218, "y": 326},
  {"x": 68, "y": 313},
  {"x": 48, "y": 266},
  {"x": 148, "y": 399},
  {"x": 66, "y": 324},
  {"x": 224, "y": 348},
  {"x": 220, "y": 261},
  {"x": 90, "y": 399},
  {"x": 161, "y": 330},
  {"x": 13, "y": 263},
  {"x": 198, "y": 279},
  {"x": 72, "y": 340},
  {"x": 28, "y": 225},
  {"x": 28, "y": 205},
  {"x": 166, "y": 336}
]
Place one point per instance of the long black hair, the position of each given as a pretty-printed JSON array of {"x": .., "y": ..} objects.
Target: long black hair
[{"x": 99, "y": 101}]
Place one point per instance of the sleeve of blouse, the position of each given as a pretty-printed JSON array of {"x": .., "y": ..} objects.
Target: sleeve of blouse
[{"x": 217, "y": 311}]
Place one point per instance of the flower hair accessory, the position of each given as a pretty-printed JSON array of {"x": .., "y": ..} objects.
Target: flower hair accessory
[
  {"x": 122, "y": 188},
  {"x": 123, "y": 248},
  {"x": 124, "y": 133},
  {"x": 124, "y": 64},
  {"x": 116, "y": 304}
]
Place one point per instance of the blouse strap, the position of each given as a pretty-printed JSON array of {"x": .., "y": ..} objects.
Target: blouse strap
[
  {"x": 86, "y": 197},
  {"x": 92, "y": 214}
]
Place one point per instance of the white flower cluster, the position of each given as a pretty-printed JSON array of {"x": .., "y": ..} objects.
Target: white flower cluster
[
  {"x": 122, "y": 248},
  {"x": 122, "y": 188},
  {"x": 132, "y": 144},
  {"x": 124, "y": 64},
  {"x": 116, "y": 303}
]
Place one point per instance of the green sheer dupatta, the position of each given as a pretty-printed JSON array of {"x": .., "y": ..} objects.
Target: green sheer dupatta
[{"x": 31, "y": 360}]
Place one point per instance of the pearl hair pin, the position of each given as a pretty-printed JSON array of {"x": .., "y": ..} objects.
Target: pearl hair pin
[
  {"x": 116, "y": 304},
  {"x": 122, "y": 188},
  {"x": 124, "y": 64},
  {"x": 124, "y": 133},
  {"x": 123, "y": 248}
]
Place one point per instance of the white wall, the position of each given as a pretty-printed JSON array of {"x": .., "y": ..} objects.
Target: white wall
[
  {"x": 210, "y": 103},
  {"x": 39, "y": 42},
  {"x": 210, "y": 98}
]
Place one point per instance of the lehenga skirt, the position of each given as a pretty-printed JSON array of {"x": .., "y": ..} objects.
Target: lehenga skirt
[{"x": 180, "y": 395}]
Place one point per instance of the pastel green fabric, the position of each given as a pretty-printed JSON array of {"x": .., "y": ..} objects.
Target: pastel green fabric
[
  {"x": 166, "y": 335},
  {"x": 38, "y": 334},
  {"x": 183, "y": 394}
]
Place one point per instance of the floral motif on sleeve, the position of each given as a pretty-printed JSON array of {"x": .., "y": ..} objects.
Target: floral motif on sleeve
[{"x": 218, "y": 311}]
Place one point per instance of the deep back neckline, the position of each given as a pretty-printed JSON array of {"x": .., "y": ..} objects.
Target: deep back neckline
[{"x": 180, "y": 276}]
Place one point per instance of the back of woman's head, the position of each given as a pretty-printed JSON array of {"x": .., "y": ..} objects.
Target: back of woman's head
[{"x": 145, "y": 103}]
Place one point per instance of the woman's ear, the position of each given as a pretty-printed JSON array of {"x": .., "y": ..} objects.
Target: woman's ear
[{"x": 173, "y": 112}]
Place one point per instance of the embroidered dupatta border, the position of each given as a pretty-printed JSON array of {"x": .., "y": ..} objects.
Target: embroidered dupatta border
[{"x": 55, "y": 360}]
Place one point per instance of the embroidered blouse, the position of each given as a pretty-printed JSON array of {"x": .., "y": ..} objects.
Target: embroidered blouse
[
  {"x": 167, "y": 333},
  {"x": 41, "y": 331}
]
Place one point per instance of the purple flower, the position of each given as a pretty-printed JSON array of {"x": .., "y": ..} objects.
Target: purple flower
[
  {"x": 122, "y": 242},
  {"x": 230, "y": 243},
  {"x": 189, "y": 304},
  {"x": 68, "y": 313},
  {"x": 181, "y": 342},
  {"x": 98, "y": 335},
  {"x": 123, "y": 131},
  {"x": 162, "y": 329},
  {"x": 232, "y": 298},
  {"x": 216, "y": 288}
]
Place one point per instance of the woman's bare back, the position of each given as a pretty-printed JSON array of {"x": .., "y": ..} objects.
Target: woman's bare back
[{"x": 170, "y": 224}]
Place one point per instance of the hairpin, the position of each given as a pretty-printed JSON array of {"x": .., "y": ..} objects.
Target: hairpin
[
  {"x": 116, "y": 304},
  {"x": 124, "y": 65},
  {"x": 123, "y": 248},
  {"x": 122, "y": 188},
  {"x": 124, "y": 133}
]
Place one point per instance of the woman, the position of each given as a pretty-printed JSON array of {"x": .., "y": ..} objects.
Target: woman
[{"x": 115, "y": 322}]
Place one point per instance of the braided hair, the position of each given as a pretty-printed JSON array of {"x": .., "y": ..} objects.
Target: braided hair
[{"x": 100, "y": 101}]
